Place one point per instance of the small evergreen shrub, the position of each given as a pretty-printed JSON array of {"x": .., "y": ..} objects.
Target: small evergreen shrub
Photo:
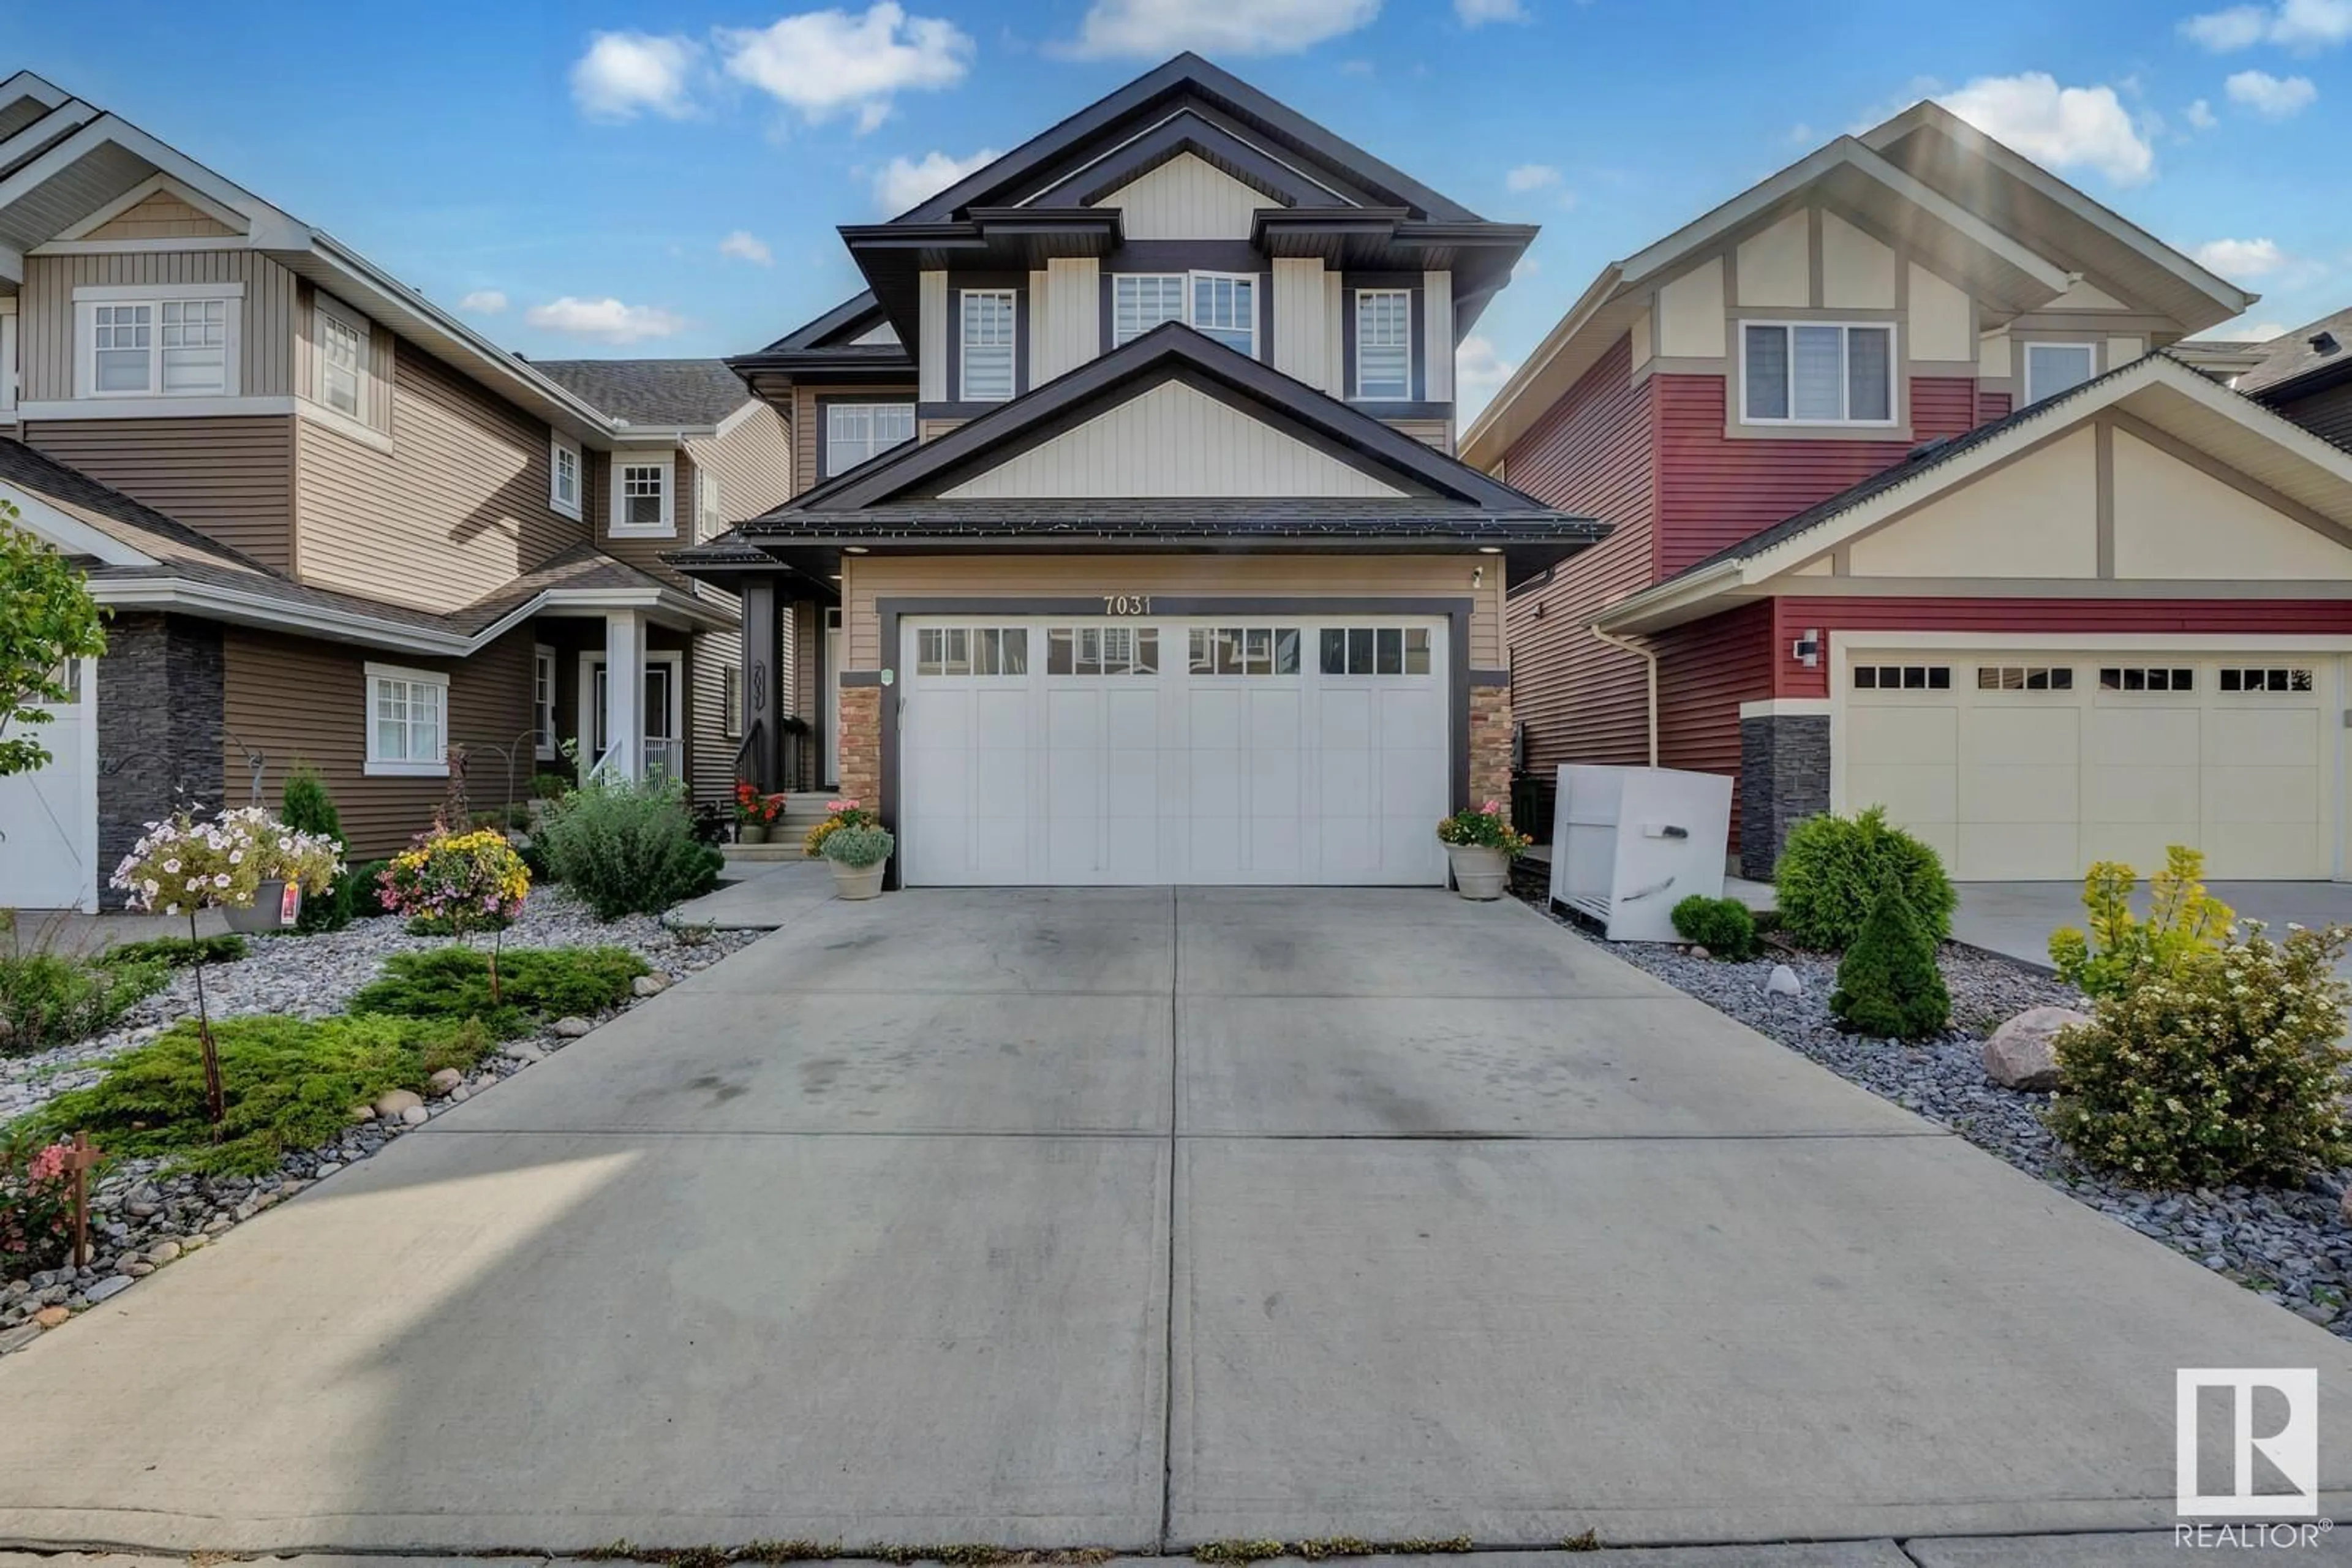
[
  {"x": 536, "y": 985},
  {"x": 2229, "y": 1068},
  {"x": 310, "y": 807},
  {"x": 290, "y": 1084},
  {"x": 2120, "y": 950},
  {"x": 1888, "y": 983},
  {"x": 1830, "y": 875},
  {"x": 628, "y": 848},
  {"x": 179, "y": 951},
  {"x": 1722, "y": 926},
  {"x": 54, "y": 999},
  {"x": 366, "y": 880}
]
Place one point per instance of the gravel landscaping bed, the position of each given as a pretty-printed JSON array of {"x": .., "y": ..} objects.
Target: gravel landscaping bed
[
  {"x": 143, "y": 1217},
  {"x": 2292, "y": 1246}
]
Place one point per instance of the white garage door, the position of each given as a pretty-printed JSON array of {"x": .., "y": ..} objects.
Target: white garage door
[
  {"x": 49, "y": 819},
  {"x": 2033, "y": 764},
  {"x": 1061, "y": 751}
]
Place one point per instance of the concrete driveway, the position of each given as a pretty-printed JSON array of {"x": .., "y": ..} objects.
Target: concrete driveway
[{"x": 1138, "y": 1218}]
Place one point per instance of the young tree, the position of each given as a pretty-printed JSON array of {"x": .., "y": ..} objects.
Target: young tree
[{"x": 46, "y": 617}]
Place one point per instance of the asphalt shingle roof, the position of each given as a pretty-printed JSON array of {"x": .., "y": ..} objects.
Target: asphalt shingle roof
[
  {"x": 2290, "y": 355},
  {"x": 653, "y": 391}
]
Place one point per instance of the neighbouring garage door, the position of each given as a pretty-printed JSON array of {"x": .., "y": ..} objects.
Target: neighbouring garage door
[
  {"x": 2033, "y": 764},
  {"x": 49, "y": 819},
  {"x": 1060, "y": 751}
]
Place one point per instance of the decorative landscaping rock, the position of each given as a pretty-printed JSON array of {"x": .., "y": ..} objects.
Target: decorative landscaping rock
[
  {"x": 1698, "y": 952},
  {"x": 164, "y": 1252},
  {"x": 398, "y": 1102},
  {"x": 1783, "y": 981},
  {"x": 50, "y": 1317},
  {"x": 362, "y": 1113},
  {"x": 2019, "y": 1055},
  {"x": 572, "y": 1028},
  {"x": 446, "y": 1082},
  {"x": 417, "y": 1116},
  {"x": 650, "y": 984},
  {"x": 20, "y": 1336},
  {"x": 105, "y": 1289}
]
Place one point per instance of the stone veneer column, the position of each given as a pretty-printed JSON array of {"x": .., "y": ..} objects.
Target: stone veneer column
[
  {"x": 1784, "y": 775},
  {"x": 159, "y": 729},
  {"x": 1490, "y": 745},
  {"x": 861, "y": 745}
]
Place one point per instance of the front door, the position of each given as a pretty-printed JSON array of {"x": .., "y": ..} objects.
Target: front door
[{"x": 663, "y": 745}]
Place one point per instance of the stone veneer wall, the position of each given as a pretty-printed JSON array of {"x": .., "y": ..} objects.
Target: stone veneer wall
[
  {"x": 1784, "y": 775},
  {"x": 1490, "y": 745},
  {"x": 159, "y": 729},
  {"x": 861, "y": 744}
]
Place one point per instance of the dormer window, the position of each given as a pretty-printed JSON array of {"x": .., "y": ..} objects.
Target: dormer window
[
  {"x": 2053, "y": 368},
  {"x": 1806, "y": 373}
]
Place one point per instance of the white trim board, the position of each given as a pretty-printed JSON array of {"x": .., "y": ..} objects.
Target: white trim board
[{"x": 155, "y": 184}]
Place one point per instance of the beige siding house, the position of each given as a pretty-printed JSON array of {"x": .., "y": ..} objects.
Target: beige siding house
[{"x": 336, "y": 527}]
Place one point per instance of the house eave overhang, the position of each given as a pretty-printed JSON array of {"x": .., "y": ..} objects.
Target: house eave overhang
[{"x": 892, "y": 256}]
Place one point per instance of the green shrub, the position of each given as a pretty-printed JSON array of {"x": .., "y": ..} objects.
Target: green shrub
[
  {"x": 550, "y": 786},
  {"x": 859, "y": 848},
  {"x": 2230, "y": 1068},
  {"x": 628, "y": 848},
  {"x": 536, "y": 984},
  {"x": 2183, "y": 920},
  {"x": 1722, "y": 926},
  {"x": 178, "y": 951},
  {"x": 310, "y": 806},
  {"x": 442, "y": 925},
  {"x": 1888, "y": 983},
  {"x": 54, "y": 999},
  {"x": 367, "y": 889},
  {"x": 1833, "y": 867},
  {"x": 290, "y": 1083}
]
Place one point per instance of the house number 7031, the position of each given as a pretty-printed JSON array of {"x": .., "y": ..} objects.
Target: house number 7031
[{"x": 1127, "y": 604}]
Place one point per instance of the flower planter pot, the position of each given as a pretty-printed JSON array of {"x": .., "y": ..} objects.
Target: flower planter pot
[
  {"x": 857, "y": 881},
  {"x": 1479, "y": 872},
  {"x": 751, "y": 833},
  {"x": 276, "y": 907}
]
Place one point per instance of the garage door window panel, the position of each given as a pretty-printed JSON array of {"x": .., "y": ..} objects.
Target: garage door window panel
[
  {"x": 2249, "y": 681},
  {"x": 2146, "y": 678},
  {"x": 2024, "y": 678},
  {"x": 1903, "y": 677}
]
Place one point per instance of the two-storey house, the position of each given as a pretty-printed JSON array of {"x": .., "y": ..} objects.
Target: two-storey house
[
  {"x": 1915, "y": 502},
  {"x": 334, "y": 525},
  {"x": 1130, "y": 546}
]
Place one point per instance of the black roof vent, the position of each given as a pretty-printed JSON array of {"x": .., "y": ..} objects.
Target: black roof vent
[
  {"x": 2324, "y": 342},
  {"x": 1926, "y": 449}
]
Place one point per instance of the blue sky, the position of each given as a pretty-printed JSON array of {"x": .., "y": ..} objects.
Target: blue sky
[{"x": 632, "y": 178}]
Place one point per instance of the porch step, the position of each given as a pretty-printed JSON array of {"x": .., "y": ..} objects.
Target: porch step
[{"x": 790, "y": 849}]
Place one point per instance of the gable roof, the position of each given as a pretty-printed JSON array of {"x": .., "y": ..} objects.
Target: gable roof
[
  {"x": 655, "y": 392},
  {"x": 2158, "y": 388},
  {"x": 826, "y": 351},
  {"x": 2314, "y": 354}
]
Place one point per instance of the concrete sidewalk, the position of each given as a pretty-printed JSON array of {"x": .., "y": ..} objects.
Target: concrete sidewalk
[
  {"x": 1138, "y": 1218},
  {"x": 760, "y": 895}
]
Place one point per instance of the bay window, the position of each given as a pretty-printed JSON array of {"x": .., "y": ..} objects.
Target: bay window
[{"x": 1816, "y": 373}]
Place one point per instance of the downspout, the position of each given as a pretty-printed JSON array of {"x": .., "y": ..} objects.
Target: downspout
[{"x": 1648, "y": 658}]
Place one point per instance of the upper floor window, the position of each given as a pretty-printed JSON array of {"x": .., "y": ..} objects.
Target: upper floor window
[
  {"x": 709, "y": 520},
  {"x": 641, "y": 496},
  {"x": 168, "y": 342},
  {"x": 1142, "y": 301},
  {"x": 988, "y": 344},
  {"x": 1805, "y": 373},
  {"x": 1224, "y": 307},
  {"x": 2053, "y": 368},
  {"x": 1384, "y": 344},
  {"x": 563, "y": 476},
  {"x": 342, "y": 375},
  {"x": 856, "y": 431}
]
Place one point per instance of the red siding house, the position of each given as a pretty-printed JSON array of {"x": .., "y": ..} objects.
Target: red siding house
[{"x": 1916, "y": 502}]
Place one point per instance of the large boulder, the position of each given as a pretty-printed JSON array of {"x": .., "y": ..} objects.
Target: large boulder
[{"x": 2019, "y": 1056}]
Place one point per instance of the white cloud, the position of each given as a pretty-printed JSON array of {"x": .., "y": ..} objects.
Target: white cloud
[
  {"x": 2064, "y": 127},
  {"x": 2201, "y": 115},
  {"x": 1478, "y": 373},
  {"x": 1531, "y": 177},
  {"x": 1478, "y": 12},
  {"x": 2241, "y": 257},
  {"x": 744, "y": 247},
  {"x": 2303, "y": 26},
  {"x": 623, "y": 73},
  {"x": 2273, "y": 98},
  {"x": 1150, "y": 29},
  {"x": 484, "y": 302},
  {"x": 906, "y": 181},
  {"x": 826, "y": 63},
  {"x": 606, "y": 319}
]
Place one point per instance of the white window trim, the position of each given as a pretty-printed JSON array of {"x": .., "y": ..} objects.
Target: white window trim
[
  {"x": 825, "y": 437},
  {"x": 555, "y": 501},
  {"x": 1406, "y": 396},
  {"x": 1183, "y": 303},
  {"x": 2085, "y": 344},
  {"x": 400, "y": 767},
  {"x": 668, "y": 527},
  {"x": 542, "y": 659},
  {"x": 90, "y": 296},
  {"x": 1249, "y": 277},
  {"x": 709, "y": 522},
  {"x": 324, "y": 305},
  {"x": 9, "y": 373},
  {"x": 964, "y": 343},
  {"x": 1894, "y": 377}
]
